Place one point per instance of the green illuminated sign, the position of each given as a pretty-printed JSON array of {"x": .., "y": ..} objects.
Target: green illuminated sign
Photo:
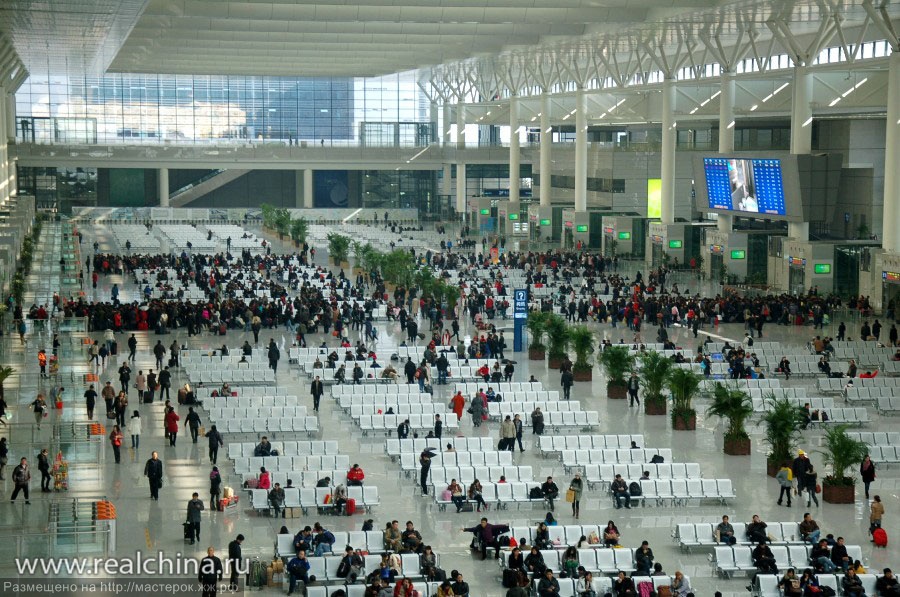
[
  {"x": 675, "y": 244},
  {"x": 581, "y": 228},
  {"x": 513, "y": 216},
  {"x": 545, "y": 222},
  {"x": 485, "y": 212},
  {"x": 739, "y": 254},
  {"x": 624, "y": 236},
  {"x": 822, "y": 268}
]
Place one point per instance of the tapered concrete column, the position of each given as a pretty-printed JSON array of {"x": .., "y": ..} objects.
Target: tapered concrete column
[
  {"x": 461, "y": 188},
  {"x": 514, "y": 159},
  {"x": 801, "y": 111},
  {"x": 891, "y": 211},
  {"x": 461, "y": 125},
  {"x": 10, "y": 117},
  {"x": 444, "y": 131},
  {"x": 546, "y": 148},
  {"x": 580, "y": 151},
  {"x": 5, "y": 189},
  {"x": 308, "y": 188},
  {"x": 667, "y": 173},
  {"x": 726, "y": 133},
  {"x": 163, "y": 187},
  {"x": 447, "y": 180}
]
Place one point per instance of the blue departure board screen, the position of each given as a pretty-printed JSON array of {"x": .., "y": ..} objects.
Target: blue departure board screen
[{"x": 752, "y": 186}]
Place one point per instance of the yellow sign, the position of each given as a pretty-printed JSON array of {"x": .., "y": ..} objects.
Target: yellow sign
[{"x": 654, "y": 198}]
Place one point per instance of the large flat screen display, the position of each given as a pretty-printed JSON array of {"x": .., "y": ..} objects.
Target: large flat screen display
[{"x": 746, "y": 185}]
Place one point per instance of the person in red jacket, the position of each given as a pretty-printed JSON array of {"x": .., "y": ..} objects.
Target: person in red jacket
[
  {"x": 172, "y": 419},
  {"x": 355, "y": 475}
]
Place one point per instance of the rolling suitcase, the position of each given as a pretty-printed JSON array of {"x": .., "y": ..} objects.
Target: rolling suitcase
[
  {"x": 350, "y": 507},
  {"x": 188, "y": 531},
  {"x": 257, "y": 576},
  {"x": 879, "y": 537},
  {"x": 114, "y": 348}
]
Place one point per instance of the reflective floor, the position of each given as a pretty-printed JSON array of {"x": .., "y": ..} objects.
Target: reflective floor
[{"x": 148, "y": 526}]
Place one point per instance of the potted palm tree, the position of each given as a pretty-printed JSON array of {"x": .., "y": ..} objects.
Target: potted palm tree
[
  {"x": 582, "y": 340},
  {"x": 282, "y": 222},
  {"x": 338, "y": 247},
  {"x": 5, "y": 373},
  {"x": 558, "y": 339},
  {"x": 299, "y": 230},
  {"x": 732, "y": 404},
  {"x": 655, "y": 371},
  {"x": 840, "y": 452},
  {"x": 537, "y": 327},
  {"x": 684, "y": 385},
  {"x": 617, "y": 362},
  {"x": 782, "y": 421},
  {"x": 451, "y": 295}
]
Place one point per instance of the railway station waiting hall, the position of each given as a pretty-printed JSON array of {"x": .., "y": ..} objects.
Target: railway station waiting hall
[{"x": 450, "y": 299}]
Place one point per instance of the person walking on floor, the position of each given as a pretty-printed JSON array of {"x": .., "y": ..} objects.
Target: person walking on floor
[
  {"x": 193, "y": 423},
  {"x": 215, "y": 440},
  {"x": 234, "y": 561},
  {"x": 215, "y": 488},
  {"x": 317, "y": 389},
  {"x": 39, "y": 407},
  {"x": 21, "y": 476},
  {"x": 867, "y": 473},
  {"x": 210, "y": 572},
  {"x": 567, "y": 380},
  {"x": 634, "y": 384},
  {"x": 786, "y": 482},
  {"x": 90, "y": 401},
  {"x": 134, "y": 425},
  {"x": 171, "y": 421},
  {"x": 44, "y": 467},
  {"x": 576, "y": 487},
  {"x": 115, "y": 439},
  {"x": 153, "y": 470},
  {"x": 194, "y": 508}
]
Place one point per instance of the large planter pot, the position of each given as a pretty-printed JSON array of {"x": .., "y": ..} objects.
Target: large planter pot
[
  {"x": 536, "y": 354},
  {"x": 583, "y": 374},
  {"x": 682, "y": 423},
  {"x": 555, "y": 363},
  {"x": 737, "y": 447},
  {"x": 839, "y": 494},
  {"x": 616, "y": 390},
  {"x": 652, "y": 407},
  {"x": 772, "y": 468}
]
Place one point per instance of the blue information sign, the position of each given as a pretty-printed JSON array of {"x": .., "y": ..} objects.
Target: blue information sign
[{"x": 520, "y": 315}]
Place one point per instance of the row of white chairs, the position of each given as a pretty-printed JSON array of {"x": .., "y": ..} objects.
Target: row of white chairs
[
  {"x": 845, "y": 416},
  {"x": 708, "y": 385},
  {"x": 703, "y": 534},
  {"x": 440, "y": 476},
  {"x": 606, "y": 473},
  {"x": 257, "y": 427},
  {"x": 348, "y": 401},
  {"x": 502, "y": 409},
  {"x": 877, "y": 393},
  {"x": 258, "y": 401},
  {"x": 501, "y": 494},
  {"x": 232, "y": 376},
  {"x": 429, "y": 409},
  {"x": 503, "y": 387},
  {"x": 286, "y": 448},
  {"x": 315, "y": 497},
  {"x": 557, "y": 443},
  {"x": 371, "y": 541},
  {"x": 877, "y": 438},
  {"x": 217, "y": 412},
  {"x": 830, "y": 385},
  {"x": 766, "y": 585},
  {"x": 409, "y": 462},
  {"x": 779, "y": 393},
  {"x": 825, "y": 402},
  {"x": 738, "y": 558},
  {"x": 252, "y": 464},
  {"x": 299, "y": 478},
  {"x": 391, "y": 389},
  {"x": 325, "y": 568},
  {"x": 685, "y": 491},
  {"x": 396, "y": 447},
  {"x": 571, "y": 458},
  {"x": 388, "y": 424}
]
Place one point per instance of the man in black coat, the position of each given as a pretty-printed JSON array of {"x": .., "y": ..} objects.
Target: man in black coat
[
  {"x": 210, "y": 573},
  {"x": 567, "y": 380},
  {"x": 317, "y": 390},
  {"x": 274, "y": 355},
  {"x": 234, "y": 561},
  {"x": 153, "y": 470},
  {"x": 489, "y": 535},
  {"x": 410, "y": 370}
]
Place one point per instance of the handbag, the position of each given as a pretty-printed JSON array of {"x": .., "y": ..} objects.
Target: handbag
[
  {"x": 570, "y": 495},
  {"x": 818, "y": 488}
]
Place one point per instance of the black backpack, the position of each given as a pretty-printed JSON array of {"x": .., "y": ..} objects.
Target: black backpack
[
  {"x": 634, "y": 488},
  {"x": 535, "y": 493},
  {"x": 657, "y": 459}
]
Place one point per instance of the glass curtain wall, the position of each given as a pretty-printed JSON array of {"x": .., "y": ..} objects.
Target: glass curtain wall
[{"x": 137, "y": 108}]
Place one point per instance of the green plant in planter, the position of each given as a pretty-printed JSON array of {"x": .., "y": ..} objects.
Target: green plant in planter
[
  {"x": 782, "y": 421},
  {"x": 18, "y": 287},
  {"x": 282, "y": 222},
  {"x": 399, "y": 268},
  {"x": 558, "y": 337},
  {"x": 655, "y": 371},
  {"x": 684, "y": 385},
  {"x": 299, "y": 230},
  {"x": 582, "y": 340},
  {"x": 840, "y": 452},
  {"x": 618, "y": 363},
  {"x": 5, "y": 373},
  {"x": 537, "y": 327},
  {"x": 338, "y": 247},
  {"x": 268, "y": 215},
  {"x": 733, "y": 405},
  {"x": 451, "y": 295}
]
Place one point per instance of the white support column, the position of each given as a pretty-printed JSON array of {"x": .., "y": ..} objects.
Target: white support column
[
  {"x": 444, "y": 131},
  {"x": 461, "y": 125},
  {"x": 546, "y": 148},
  {"x": 890, "y": 238},
  {"x": 308, "y": 188},
  {"x": 10, "y": 99},
  {"x": 667, "y": 168},
  {"x": 461, "y": 188},
  {"x": 5, "y": 178},
  {"x": 163, "y": 187},
  {"x": 580, "y": 151},
  {"x": 726, "y": 133},
  {"x": 433, "y": 118},
  {"x": 801, "y": 111},
  {"x": 514, "y": 160},
  {"x": 447, "y": 181}
]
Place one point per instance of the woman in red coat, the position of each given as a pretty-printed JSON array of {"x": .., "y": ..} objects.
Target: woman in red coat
[{"x": 172, "y": 419}]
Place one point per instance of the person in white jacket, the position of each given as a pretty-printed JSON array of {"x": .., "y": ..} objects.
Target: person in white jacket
[{"x": 134, "y": 424}]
